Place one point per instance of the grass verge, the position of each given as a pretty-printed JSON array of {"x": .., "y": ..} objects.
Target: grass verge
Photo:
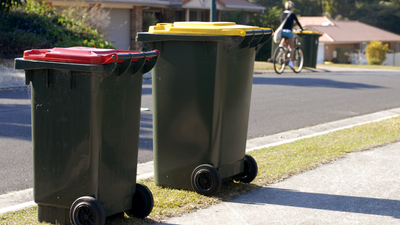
[
  {"x": 270, "y": 66},
  {"x": 263, "y": 65},
  {"x": 275, "y": 164}
]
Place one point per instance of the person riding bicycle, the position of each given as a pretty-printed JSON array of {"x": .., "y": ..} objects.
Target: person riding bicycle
[{"x": 287, "y": 34}]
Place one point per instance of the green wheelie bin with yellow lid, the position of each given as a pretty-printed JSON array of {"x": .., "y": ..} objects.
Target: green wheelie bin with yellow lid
[
  {"x": 201, "y": 99},
  {"x": 308, "y": 40}
]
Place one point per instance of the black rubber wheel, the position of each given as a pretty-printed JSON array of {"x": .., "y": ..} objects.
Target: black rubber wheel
[
  {"x": 206, "y": 180},
  {"x": 142, "y": 202},
  {"x": 298, "y": 59},
  {"x": 87, "y": 211},
  {"x": 279, "y": 60},
  {"x": 250, "y": 169}
]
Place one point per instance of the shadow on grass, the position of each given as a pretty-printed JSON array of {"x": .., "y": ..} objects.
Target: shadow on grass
[{"x": 229, "y": 191}]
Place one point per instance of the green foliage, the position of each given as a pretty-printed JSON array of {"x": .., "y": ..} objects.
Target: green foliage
[
  {"x": 309, "y": 7},
  {"x": 36, "y": 25},
  {"x": 384, "y": 16},
  {"x": 239, "y": 17},
  {"x": 149, "y": 19},
  {"x": 376, "y": 52},
  {"x": 268, "y": 19},
  {"x": 344, "y": 8},
  {"x": 95, "y": 17},
  {"x": 5, "y": 5}
]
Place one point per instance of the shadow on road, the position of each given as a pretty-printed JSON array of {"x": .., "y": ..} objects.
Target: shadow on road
[
  {"x": 311, "y": 82},
  {"x": 20, "y": 93},
  {"x": 15, "y": 121}
]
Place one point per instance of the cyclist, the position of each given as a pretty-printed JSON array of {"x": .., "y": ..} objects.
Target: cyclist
[{"x": 287, "y": 34}]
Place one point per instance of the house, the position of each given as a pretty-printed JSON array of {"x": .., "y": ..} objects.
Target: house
[
  {"x": 127, "y": 15},
  {"x": 341, "y": 38}
]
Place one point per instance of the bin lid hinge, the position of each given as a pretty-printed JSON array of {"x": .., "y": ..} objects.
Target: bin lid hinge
[
  {"x": 149, "y": 64},
  {"x": 124, "y": 66},
  {"x": 110, "y": 68}
]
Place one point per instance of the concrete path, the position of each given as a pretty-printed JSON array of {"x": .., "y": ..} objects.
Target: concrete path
[{"x": 362, "y": 188}]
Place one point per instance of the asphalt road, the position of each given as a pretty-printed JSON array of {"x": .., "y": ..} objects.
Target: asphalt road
[{"x": 278, "y": 104}]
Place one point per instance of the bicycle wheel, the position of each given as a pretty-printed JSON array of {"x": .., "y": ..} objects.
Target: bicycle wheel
[
  {"x": 298, "y": 59},
  {"x": 279, "y": 60}
]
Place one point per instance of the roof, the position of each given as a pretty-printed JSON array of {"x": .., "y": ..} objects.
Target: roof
[
  {"x": 225, "y": 5},
  {"x": 351, "y": 31},
  {"x": 153, "y": 3}
]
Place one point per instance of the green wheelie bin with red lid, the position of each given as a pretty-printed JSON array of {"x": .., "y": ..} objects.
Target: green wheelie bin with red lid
[{"x": 85, "y": 132}]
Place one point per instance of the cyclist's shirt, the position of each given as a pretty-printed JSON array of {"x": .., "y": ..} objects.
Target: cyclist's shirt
[{"x": 289, "y": 22}]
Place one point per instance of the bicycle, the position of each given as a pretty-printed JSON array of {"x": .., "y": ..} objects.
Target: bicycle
[{"x": 282, "y": 56}]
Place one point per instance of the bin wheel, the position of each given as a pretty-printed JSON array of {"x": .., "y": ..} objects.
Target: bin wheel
[
  {"x": 142, "y": 202},
  {"x": 250, "y": 170},
  {"x": 206, "y": 180},
  {"x": 87, "y": 210}
]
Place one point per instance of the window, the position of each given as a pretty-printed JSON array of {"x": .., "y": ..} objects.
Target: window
[
  {"x": 363, "y": 46},
  {"x": 179, "y": 16},
  {"x": 197, "y": 15},
  {"x": 193, "y": 16}
]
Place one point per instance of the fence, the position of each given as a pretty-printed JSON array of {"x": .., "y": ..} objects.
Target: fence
[{"x": 392, "y": 59}]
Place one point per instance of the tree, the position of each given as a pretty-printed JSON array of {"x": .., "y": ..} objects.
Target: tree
[
  {"x": 344, "y": 8},
  {"x": 239, "y": 17},
  {"x": 384, "y": 16},
  {"x": 376, "y": 52},
  {"x": 309, "y": 7}
]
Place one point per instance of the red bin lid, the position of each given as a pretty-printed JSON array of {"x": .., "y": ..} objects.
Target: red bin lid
[{"x": 82, "y": 55}]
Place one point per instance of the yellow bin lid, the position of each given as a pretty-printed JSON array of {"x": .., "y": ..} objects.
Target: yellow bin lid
[
  {"x": 307, "y": 32},
  {"x": 203, "y": 28}
]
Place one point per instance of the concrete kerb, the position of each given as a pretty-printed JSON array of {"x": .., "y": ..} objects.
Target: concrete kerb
[
  {"x": 325, "y": 69},
  {"x": 21, "y": 84},
  {"x": 23, "y": 199}
]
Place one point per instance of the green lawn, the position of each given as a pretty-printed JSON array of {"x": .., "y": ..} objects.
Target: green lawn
[{"x": 275, "y": 164}]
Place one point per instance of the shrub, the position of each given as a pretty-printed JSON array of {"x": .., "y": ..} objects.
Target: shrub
[
  {"x": 5, "y": 5},
  {"x": 35, "y": 25},
  {"x": 94, "y": 17},
  {"x": 376, "y": 52}
]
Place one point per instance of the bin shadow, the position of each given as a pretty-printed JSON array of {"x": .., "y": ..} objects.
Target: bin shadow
[
  {"x": 312, "y": 82},
  {"x": 15, "y": 121},
  {"x": 146, "y": 131},
  {"x": 146, "y": 91},
  {"x": 341, "y": 203},
  {"x": 20, "y": 93},
  {"x": 146, "y": 87}
]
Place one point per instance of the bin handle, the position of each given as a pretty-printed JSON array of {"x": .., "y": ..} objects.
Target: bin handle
[
  {"x": 255, "y": 38},
  {"x": 258, "y": 32},
  {"x": 149, "y": 54},
  {"x": 141, "y": 57}
]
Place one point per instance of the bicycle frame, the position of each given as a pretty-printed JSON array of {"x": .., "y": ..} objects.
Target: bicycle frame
[{"x": 282, "y": 56}]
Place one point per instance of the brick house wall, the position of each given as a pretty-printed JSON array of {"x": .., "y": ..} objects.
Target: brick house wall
[{"x": 136, "y": 26}]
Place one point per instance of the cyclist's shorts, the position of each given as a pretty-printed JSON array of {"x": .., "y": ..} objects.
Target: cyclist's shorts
[{"x": 287, "y": 34}]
